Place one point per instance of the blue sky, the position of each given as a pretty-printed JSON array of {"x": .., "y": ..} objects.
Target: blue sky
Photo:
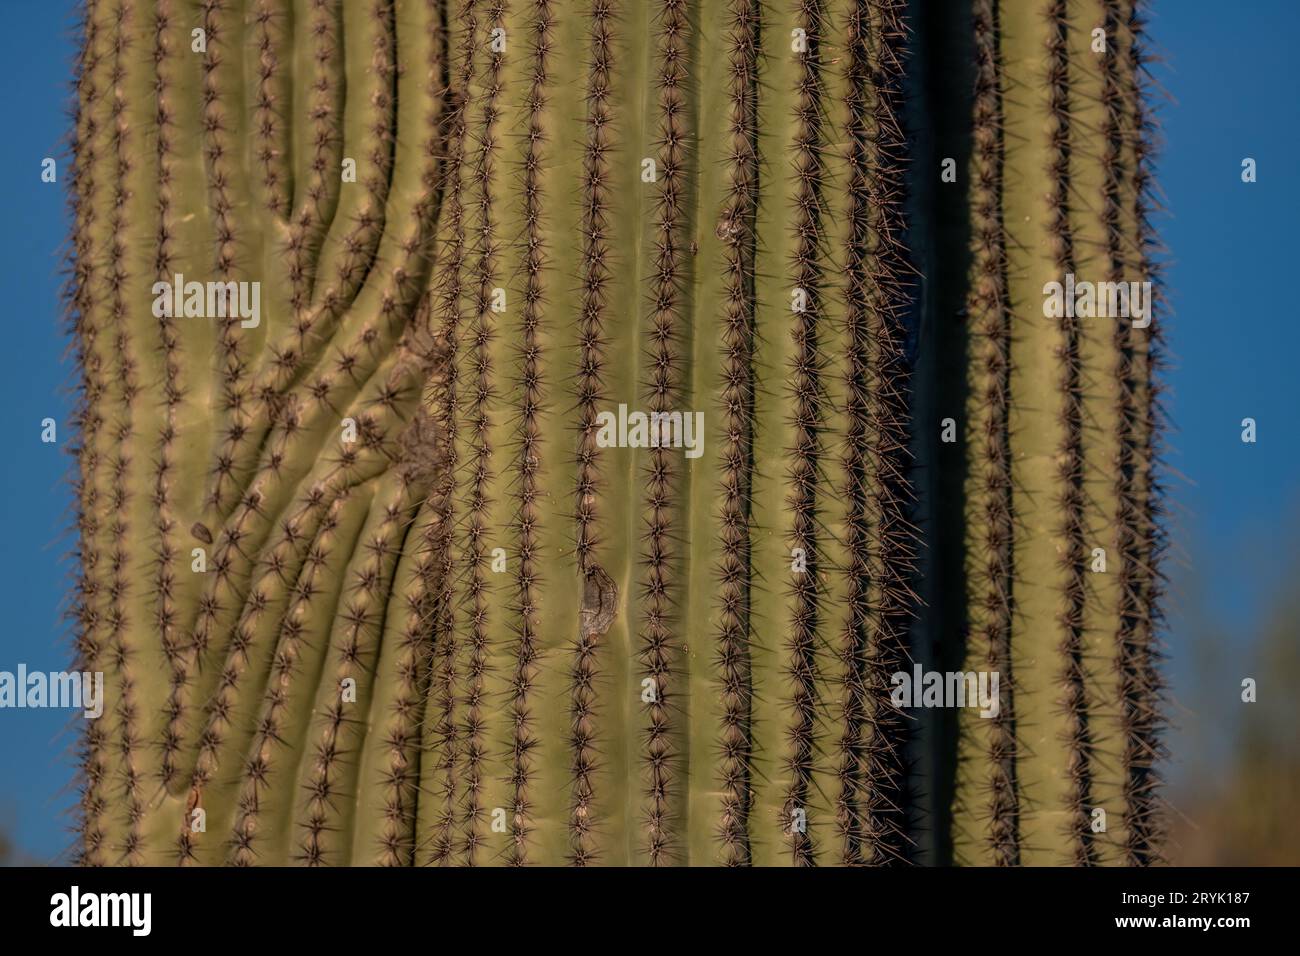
[
  {"x": 1235, "y": 86},
  {"x": 1235, "y": 507},
  {"x": 1233, "y": 341},
  {"x": 36, "y": 52}
]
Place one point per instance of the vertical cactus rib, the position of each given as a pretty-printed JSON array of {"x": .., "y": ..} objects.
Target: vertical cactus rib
[
  {"x": 1116, "y": 423},
  {"x": 153, "y": 469},
  {"x": 772, "y": 522},
  {"x": 545, "y": 145},
  {"x": 833, "y": 583},
  {"x": 437, "y": 735},
  {"x": 530, "y": 387},
  {"x": 272, "y": 142},
  {"x": 430, "y": 745},
  {"x": 233, "y": 504},
  {"x": 988, "y": 795},
  {"x": 222, "y": 103},
  {"x": 1141, "y": 688},
  {"x": 506, "y": 73},
  {"x": 1095, "y": 178},
  {"x": 737, "y": 230},
  {"x": 351, "y": 242},
  {"x": 242, "y": 252},
  {"x": 91, "y": 492},
  {"x": 661, "y": 755},
  {"x": 318, "y": 149},
  {"x": 123, "y": 388},
  {"x": 1070, "y": 455},
  {"x": 136, "y": 661},
  {"x": 473, "y": 436},
  {"x": 850, "y": 814},
  {"x": 165, "y": 584},
  {"x": 444, "y": 742},
  {"x": 879, "y": 538},
  {"x": 805, "y": 393},
  {"x": 1117, "y": 131},
  {"x": 191, "y": 393},
  {"x": 175, "y": 492},
  {"x": 1039, "y": 428},
  {"x": 589, "y": 392},
  {"x": 390, "y": 775}
]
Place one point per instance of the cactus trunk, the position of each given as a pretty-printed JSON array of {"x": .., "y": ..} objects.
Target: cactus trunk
[{"x": 561, "y": 503}]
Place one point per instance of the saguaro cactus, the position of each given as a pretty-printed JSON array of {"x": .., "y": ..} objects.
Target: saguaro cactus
[{"x": 500, "y": 420}]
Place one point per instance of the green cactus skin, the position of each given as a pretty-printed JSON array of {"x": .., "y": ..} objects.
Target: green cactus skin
[
  {"x": 1050, "y": 480},
  {"x": 478, "y": 635}
]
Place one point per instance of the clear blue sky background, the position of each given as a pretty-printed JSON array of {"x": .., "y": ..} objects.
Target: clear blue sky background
[
  {"x": 1231, "y": 74},
  {"x": 35, "y": 62}
]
